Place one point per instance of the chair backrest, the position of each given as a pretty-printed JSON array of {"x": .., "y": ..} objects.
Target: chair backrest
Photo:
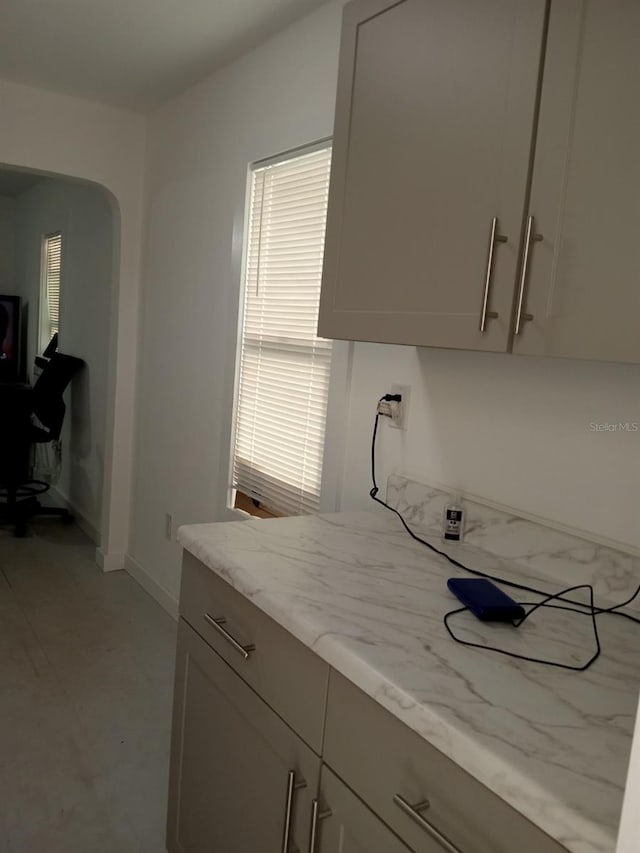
[
  {"x": 48, "y": 405},
  {"x": 51, "y": 347}
]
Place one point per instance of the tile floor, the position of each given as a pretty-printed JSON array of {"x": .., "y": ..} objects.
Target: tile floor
[{"x": 86, "y": 672}]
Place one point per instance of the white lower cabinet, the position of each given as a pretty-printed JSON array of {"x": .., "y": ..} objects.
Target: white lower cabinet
[
  {"x": 237, "y": 769},
  {"x": 258, "y": 768}
]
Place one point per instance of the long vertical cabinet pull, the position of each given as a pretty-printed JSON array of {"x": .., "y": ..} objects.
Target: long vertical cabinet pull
[
  {"x": 494, "y": 238},
  {"x": 530, "y": 237},
  {"x": 292, "y": 786},
  {"x": 316, "y": 817}
]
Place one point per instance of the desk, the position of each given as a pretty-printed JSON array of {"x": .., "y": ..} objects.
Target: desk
[{"x": 16, "y": 404}]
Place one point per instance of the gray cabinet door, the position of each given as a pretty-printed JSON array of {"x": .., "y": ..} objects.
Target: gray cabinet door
[
  {"x": 349, "y": 826},
  {"x": 434, "y": 121},
  {"x": 582, "y": 293},
  {"x": 231, "y": 762}
]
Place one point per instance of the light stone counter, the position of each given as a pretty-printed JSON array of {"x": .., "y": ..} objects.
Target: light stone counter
[{"x": 370, "y": 601}]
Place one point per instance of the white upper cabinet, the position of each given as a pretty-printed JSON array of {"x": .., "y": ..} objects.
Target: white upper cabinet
[
  {"x": 582, "y": 290},
  {"x": 434, "y": 122},
  {"x": 458, "y": 117}
]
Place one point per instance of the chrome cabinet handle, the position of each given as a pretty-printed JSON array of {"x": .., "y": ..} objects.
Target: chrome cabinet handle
[
  {"x": 292, "y": 786},
  {"x": 414, "y": 813},
  {"x": 218, "y": 624},
  {"x": 493, "y": 239},
  {"x": 528, "y": 239},
  {"x": 316, "y": 817}
]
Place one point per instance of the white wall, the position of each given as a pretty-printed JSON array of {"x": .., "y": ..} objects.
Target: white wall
[
  {"x": 7, "y": 237},
  {"x": 512, "y": 429},
  {"x": 67, "y": 136},
  {"x": 83, "y": 214},
  {"x": 199, "y": 147}
]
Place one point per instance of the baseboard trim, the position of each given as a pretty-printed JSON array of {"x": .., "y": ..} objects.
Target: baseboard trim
[
  {"x": 109, "y": 562},
  {"x": 81, "y": 520},
  {"x": 151, "y": 585}
]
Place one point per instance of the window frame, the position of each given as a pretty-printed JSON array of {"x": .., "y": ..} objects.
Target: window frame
[
  {"x": 341, "y": 358},
  {"x": 44, "y": 317}
]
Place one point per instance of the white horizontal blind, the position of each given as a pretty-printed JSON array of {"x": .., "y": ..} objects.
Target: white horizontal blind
[
  {"x": 52, "y": 268},
  {"x": 285, "y": 367}
]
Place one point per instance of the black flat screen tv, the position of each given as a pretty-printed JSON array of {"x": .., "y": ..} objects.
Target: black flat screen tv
[{"x": 9, "y": 338}]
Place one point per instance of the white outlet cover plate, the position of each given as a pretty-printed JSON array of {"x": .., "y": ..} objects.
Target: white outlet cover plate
[{"x": 405, "y": 390}]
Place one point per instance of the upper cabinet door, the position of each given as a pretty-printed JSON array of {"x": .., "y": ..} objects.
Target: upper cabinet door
[
  {"x": 581, "y": 296},
  {"x": 434, "y": 122}
]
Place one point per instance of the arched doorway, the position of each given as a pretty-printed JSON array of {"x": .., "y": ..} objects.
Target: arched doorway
[{"x": 57, "y": 258}]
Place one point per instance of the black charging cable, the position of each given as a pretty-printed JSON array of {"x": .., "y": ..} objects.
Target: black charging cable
[{"x": 589, "y": 610}]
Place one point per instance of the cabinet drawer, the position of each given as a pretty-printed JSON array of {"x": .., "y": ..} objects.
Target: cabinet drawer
[
  {"x": 380, "y": 758},
  {"x": 288, "y": 676}
]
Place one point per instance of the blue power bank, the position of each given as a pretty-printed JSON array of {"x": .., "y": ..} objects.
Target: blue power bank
[{"x": 485, "y": 600}]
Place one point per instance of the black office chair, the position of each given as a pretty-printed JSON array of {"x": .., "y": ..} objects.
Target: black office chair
[
  {"x": 19, "y": 429},
  {"x": 43, "y": 360}
]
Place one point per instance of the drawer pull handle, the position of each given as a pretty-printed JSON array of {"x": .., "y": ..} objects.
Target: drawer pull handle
[
  {"x": 414, "y": 813},
  {"x": 529, "y": 238},
  {"x": 218, "y": 625},
  {"x": 316, "y": 817},
  {"x": 493, "y": 239},
  {"x": 292, "y": 786}
]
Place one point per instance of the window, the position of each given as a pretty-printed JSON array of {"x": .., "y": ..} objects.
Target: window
[
  {"x": 284, "y": 367},
  {"x": 50, "y": 288}
]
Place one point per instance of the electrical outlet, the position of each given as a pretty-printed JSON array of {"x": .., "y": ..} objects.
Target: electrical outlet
[
  {"x": 168, "y": 526},
  {"x": 400, "y": 416}
]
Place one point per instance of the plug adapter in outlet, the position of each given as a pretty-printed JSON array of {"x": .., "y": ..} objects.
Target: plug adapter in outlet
[{"x": 400, "y": 418}]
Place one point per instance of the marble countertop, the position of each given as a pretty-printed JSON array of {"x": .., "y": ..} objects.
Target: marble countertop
[{"x": 370, "y": 601}]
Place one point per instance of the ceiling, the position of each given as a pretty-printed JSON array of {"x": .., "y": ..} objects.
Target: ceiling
[
  {"x": 15, "y": 183},
  {"x": 132, "y": 53}
]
